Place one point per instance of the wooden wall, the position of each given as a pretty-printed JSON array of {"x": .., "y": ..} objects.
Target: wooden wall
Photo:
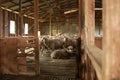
[
  {"x": 67, "y": 26},
  {"x": 0, "y": 58},
  {"x": 13, "y": 57},
  {"x": 111, "y": 40},
  {"x": 8, "y": 55},
  {"x": 5, "y": 18},
  {"x": 8, "y": 46},
  {"x": 98, "y": 42}
]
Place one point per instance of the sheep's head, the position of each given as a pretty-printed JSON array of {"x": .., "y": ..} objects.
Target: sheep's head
[{"x": 70, "y": 49}]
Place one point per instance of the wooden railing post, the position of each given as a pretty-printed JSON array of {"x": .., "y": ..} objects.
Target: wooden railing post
[{"x": 111, "y": 40}]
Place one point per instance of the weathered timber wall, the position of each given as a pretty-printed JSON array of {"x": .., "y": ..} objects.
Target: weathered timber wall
[
  {"x": 0, "y": 57},
  {"x": 8, "y": 55},
  {"x": 67, "y": 26},
  {"x": 111, "y": 40},
  {"x": 98, "y": 42},
  {"x": 5, "y": 18},
  {"x": 10, "y": 61}
]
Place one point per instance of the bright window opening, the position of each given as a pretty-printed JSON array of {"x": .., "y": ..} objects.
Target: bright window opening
[
  {"x": 12, "y": 27},
  {"x": 26, "y": 29},
  {"x": 39, "y": 33}
]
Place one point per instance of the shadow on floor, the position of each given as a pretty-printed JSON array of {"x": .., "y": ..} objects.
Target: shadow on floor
[{"x": 13, "y": 77}]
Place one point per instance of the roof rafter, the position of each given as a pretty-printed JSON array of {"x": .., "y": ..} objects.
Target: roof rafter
[
  {"x": 22, "y": 3},
  {"x": 5, "y": 1}
]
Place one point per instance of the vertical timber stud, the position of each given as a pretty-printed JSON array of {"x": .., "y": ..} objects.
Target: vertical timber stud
[
  {"x": 36, "y": 27},
  {"x": 80, "y": 17},
  {"x": 20, "y": 19},
  {"x": 50, "y": 28},
  {"x": 0, "y": 21},
  {"x": 0, "y": 35},
  {"x": 111, "y": 40},
  {"x": 89, "y": 21},
  {"x": 6, "y": 24}
]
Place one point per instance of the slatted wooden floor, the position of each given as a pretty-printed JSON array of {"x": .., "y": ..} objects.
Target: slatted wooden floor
[
  {"x": 51, "y": 69},
  {"x": 57, "y": 69}
]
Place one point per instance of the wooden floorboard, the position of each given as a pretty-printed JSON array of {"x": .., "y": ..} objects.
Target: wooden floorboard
[{"x": 57, "y": 69}]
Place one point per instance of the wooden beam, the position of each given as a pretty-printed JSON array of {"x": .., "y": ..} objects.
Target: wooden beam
[
  {"x": 35, "y": 17},
  {"x": 44, "y": 15},
  {"x": 40, "y": 11},
  {"x": 79, "y": 17},
  {"x": 48, "y": 3},
  {"x": 36, "y": 28},
  {"x": 1, "y": 23},
  {"x": 21, "y": 29},
  {"x": 69, "y": 4},
  {"x": 58, "y": 5},
  {"x": 43, "y": 10},
  {"x": 111, "y": 40},
  {"x": 95, "y": 54},
  {"x": 15, "y": 4},
  {"x": 6, "y": 23},
  {"x": 5, "y": 1},
  {"x": 16, "y": 12},
  {"x": 28, "y": 10},
  {"x": 3, "y": 28}
]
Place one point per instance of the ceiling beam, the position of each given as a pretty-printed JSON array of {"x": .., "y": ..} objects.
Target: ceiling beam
[
  {"x": 29, "y": 9},
  {"x": 22, "y": 3},
  {"x": 58, "y": 4},
  {"x": 5, "y": 1}
]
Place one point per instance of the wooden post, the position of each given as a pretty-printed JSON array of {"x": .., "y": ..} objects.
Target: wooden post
[
  {"x": 57, "y": 25},
  {"x": 0, "y": 35},
  {"x": 80, "y": 17},
  {"x": 50, "y": 25},
  {"x": 89, "y": 21},
  {"x": 6, "y": 24},
  {"x": 36, "y": 27},
  {"x": 3, "y": 28},
  {"x": 111, "y": 40},
  {"x": 36, "y": 17},
  {"x": 1, "y": 23},
  {"x": 21, "y": 29}
]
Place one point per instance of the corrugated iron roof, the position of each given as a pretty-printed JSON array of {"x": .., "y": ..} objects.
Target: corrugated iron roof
[{"x": 58, "y": 6}]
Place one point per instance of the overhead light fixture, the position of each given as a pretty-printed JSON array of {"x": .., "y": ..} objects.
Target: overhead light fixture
[{"x": 70, "y": 11}]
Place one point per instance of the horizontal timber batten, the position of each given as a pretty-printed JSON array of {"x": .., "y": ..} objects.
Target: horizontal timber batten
[{"x": 95, "y": 55}]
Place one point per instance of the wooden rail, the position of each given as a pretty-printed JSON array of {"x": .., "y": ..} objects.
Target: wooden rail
[{"x": 95, "y": 56}]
